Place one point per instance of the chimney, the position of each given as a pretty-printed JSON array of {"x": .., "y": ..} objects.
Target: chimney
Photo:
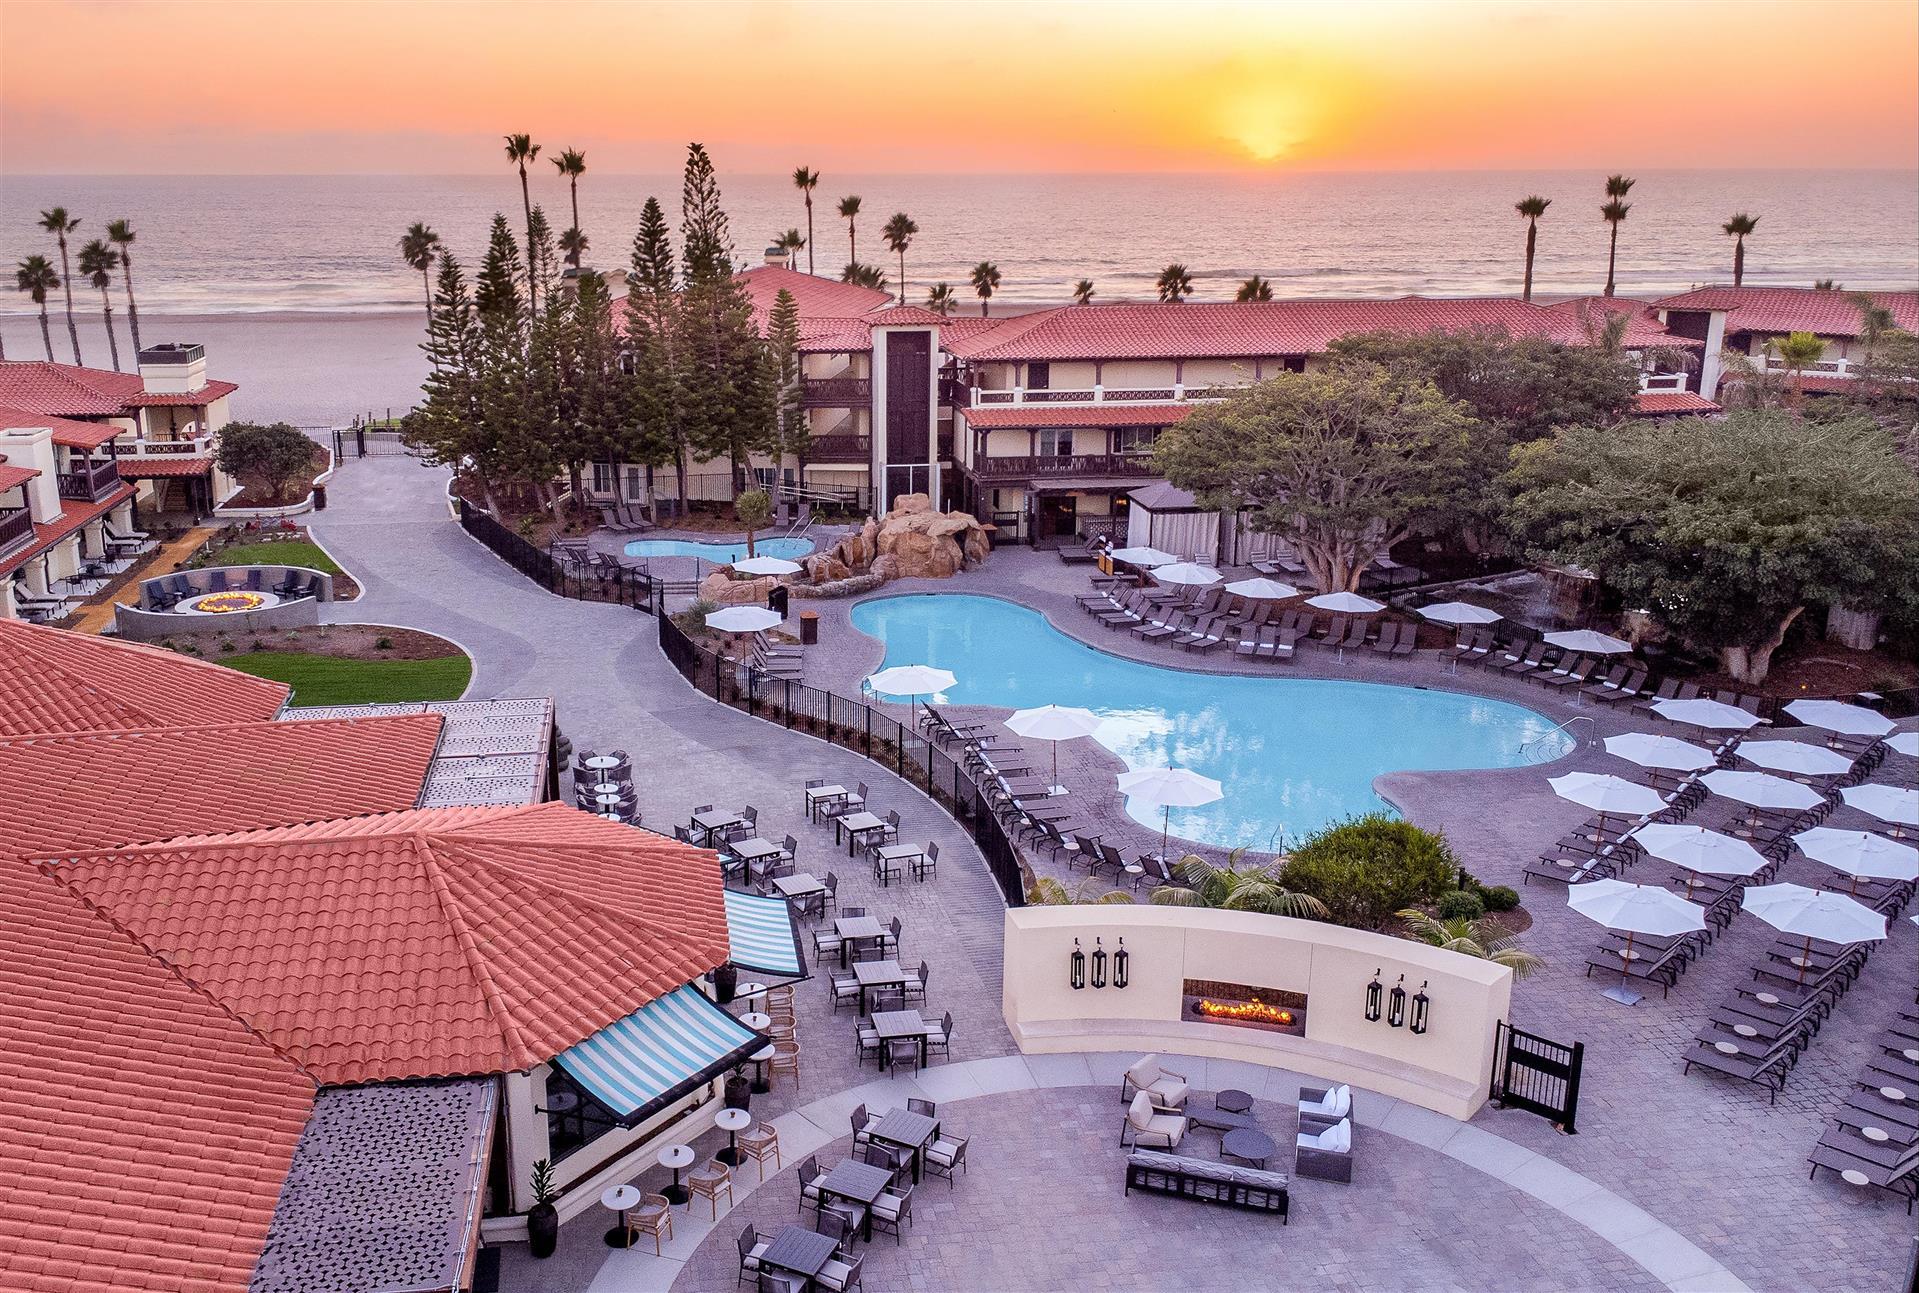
[
  {"x": 33, "y": 447},
  {"x": 173, "y": 368},
  {"x": 778, "y": 256}
]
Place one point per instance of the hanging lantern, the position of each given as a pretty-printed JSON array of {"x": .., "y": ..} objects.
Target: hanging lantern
[
  {"x": 1396, "y": 1012},
  {"x": 1122, "y": 961},
  {"x": 1077, "y": 961},
  {"x": 1099, "y": 965},
  {"x": 1375, "y": 991},
  {"x": 1421, "y": 1005}
]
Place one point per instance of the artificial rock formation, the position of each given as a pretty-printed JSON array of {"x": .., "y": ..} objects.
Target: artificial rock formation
[{"x": 910, "y": 542}]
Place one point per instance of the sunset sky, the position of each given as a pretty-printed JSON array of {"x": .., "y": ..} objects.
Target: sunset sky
[{"x": 206, "y": 87}]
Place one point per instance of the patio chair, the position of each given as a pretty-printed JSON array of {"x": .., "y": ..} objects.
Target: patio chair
[
  {"x": 893, "y": 1208},
  {"x": 866, "y": 1041},
  {"x": 809, "y": 1173},
  {"x": 890, "y": 939},
  {"x": 903, "y": 1050},
  {"x": 1166, "y": 1088},
  {"x": 1388, "y": 638},
  {"x": 1088, "y": 852},
  {"x": 1356, "y": 633},
  {"x": 1568, "y": 675},
  {"x": 709, "y": 1182},
  {"x": 760, "y": 1143},
  {"x": 786, "y": 1059},
  {"x": 945, "y": 1155},
  {"x": 861, "y": 1120},
  {"x": 653, "y": 1217},
  {"x": 846, "y": 991},
  {"x": 927, "y": 863},
  {"x": 1150, "y": 1127},
  {"x": 1326, "y": 1154},
  {"x": 841, "y": 1276},
  {"x": 1408, "y": 640},
  {"x": 916, "y": 988},
  {"x": 939, "y": 1037}
]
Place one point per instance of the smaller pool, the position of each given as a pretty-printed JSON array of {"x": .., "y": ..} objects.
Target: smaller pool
[{"x": 719, "y": 553}]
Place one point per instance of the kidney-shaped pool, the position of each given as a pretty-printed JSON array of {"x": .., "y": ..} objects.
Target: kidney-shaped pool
[{"x": 1292, "y": 754}]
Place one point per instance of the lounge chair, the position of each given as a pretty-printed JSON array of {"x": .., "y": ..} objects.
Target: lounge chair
[
  {"x": 1388, "y": 638},
  {"x": 1162, "y": 1086},
  {"x": 1611, "y": 692},
  {"x": 1152, "y": 1125},
  {"x": 1567, "y": 675}
]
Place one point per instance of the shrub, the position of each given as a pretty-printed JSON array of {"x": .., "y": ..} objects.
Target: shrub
[
  {"x": 275, "y": 453},
  {"x": 1499, "y": 898},
  {"x": 527, "y": 526},
  {"x": 1367, "y": 868},
  {"x": 383, "y": 644},
  {"x": 226, "y": 645},
  {"x": 1461, "y": 904}
]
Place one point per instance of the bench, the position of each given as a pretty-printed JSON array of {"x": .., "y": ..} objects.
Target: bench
[{"x": 1207, "y": 1182}]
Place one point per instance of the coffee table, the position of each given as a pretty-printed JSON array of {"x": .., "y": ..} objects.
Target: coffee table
[
  {"x": 1248, "y": 1146},
  {"x": 1233, "y": 1101}
]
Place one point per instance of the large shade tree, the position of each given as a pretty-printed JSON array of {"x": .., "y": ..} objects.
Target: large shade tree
[
  {"x": 1343, "y": 463},
  {"x": 1727, "y": 530}
]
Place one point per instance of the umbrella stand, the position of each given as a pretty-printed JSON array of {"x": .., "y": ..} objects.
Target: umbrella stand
[
  {"x": 1805, "y": 961},
  {"x": 1624, "y": 995},
  {"x": 1055, "y": 788}
]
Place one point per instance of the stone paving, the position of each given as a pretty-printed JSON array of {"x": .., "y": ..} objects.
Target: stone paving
[{"x": 1707, "y": 1156}]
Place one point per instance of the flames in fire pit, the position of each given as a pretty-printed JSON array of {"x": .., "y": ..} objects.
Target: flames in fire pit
[
  {"x": 1254, "y": 1011},
  {"x": 1245, "y": 1005}
]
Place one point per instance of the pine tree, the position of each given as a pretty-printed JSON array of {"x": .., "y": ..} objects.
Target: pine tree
[
  {"x": 599, "y": 404},
  {"x": 655, "y": 431},
  {"x": 503, "y": 440},
  {"x": 542, "y": 253},
  {"x": 791, "y": 435},
  {"x": 447, "y": 425}
]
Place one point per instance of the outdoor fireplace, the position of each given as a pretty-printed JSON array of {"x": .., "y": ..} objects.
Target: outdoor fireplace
[{"x": 1244, "y": 1005}]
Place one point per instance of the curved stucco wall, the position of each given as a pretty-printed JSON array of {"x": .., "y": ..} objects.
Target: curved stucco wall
[{"x": 146, "y": 624}]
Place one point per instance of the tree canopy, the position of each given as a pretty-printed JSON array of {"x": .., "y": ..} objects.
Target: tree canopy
[
  {"x": 274, "y": 453},
  {"x": 1727, "y": 529},
  {"x": 1368, "y": 868}
]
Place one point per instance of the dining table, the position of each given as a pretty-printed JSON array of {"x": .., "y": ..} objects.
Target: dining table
[
  {"x": 856, "y": 1182},
  {"x": 909, "y": 1131},
  {"x": 821, "y": 797},
  {"x": 877, "y": 974},
  {"x": 851, "y": 826},
  {"x": 857, "y": 929},
  {"x": 714, "y": 821}
]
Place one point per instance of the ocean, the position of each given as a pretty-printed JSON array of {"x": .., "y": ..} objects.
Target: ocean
[{"x": 279, "y": 275}]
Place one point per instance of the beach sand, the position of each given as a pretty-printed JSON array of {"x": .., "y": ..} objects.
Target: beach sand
[{"x": 309, "y": 369}]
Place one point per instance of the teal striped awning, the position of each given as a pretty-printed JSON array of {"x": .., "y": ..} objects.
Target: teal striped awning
[
  {"x": 660, "y": 1052},
  {"x": 764, "y": 937}
]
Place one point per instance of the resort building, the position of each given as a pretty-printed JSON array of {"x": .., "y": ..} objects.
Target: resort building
[{"x": 1748, "y": 320}]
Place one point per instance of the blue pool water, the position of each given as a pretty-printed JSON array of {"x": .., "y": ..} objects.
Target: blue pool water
[
  {"x": 1292, "y": 754},
  {"x": 719, "y": 553}
]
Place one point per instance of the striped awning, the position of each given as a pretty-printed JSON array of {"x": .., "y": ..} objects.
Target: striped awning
[
  {"x": 660, "y": 1052},
  {"x": 764, "y": 937}
]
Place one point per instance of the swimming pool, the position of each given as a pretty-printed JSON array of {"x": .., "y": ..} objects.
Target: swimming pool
[
  {"x": 1292, "y": 754},
  {"x": 719, "y": 553}
]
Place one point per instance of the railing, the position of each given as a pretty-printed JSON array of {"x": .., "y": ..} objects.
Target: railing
[
  {"x": 836, "y": 392},
  {"x": 858, "y": 727},
  {"x": 89, "y": 482},
  {"x": 839, "y": 448},
  {"x": 575, "y": 578},
  {"x": 1652, "y": 382},
  {"x": 16, "y": 528},
  {"x": 1821, "y": 368},
  {"x": 1108, "y": 464},
  {"x": 1178, "y": 392},
  {"x": 144, "y": 447}
]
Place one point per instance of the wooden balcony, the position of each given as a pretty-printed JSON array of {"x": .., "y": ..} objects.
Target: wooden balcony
[
  {"x": 836, "y": 393},
  {"x": 1061, "y": 466},
  {"x": 16, "y": 529},
  {"x": 89, "y": 482},
  {"x": 840, "y": 448}
]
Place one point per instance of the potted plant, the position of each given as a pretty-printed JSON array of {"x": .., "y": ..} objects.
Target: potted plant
[
  {"x": 543, "y": 1219},
  {"x": 725, "y": 979},
  {"x": 739, "y": 1091}
]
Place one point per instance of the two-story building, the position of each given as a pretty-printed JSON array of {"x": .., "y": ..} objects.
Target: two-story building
[{"x": 1748, "y": 320}]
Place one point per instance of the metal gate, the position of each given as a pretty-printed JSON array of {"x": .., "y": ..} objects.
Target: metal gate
[
  {"x": 1537, "y": 1074},
  {"x": 364, "y": 442}
]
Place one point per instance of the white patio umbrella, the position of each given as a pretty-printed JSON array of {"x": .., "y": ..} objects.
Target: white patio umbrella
[
  {"x": 1459, "y": 613},
  {"x": 1345, "y": 603},
  {"x": 1699, "y": 850},
  {"x": 1714, "y": 714},
  {"x": 1631, "y": 909},
  {"x": 1607, "y": 795},
  {"x": 743, "y": 619},
  {"x": 1906, "y": 743},
  {"x": 1860, "y": 854},
  {"x": 1589, "y": 642},
  {"x": 1814, "y": 913},
  {"x": 1888, "y": 803},
  {"x": 1650, "y": 751},
  {"x": 914, "y": 680},
  {"x": 1169, "y": 788},
  {"x": 766, "y": 566},
  {"x": 1761, "y": 789},
  {"x": 1055, "y": 723},
  {"x": 1186, "y": 572},
  {"x": 1795, "y": 757},
  {"x": 1262, "y": 589},
  {"x": 1148, "y": 557},
  {"x": 1837, "y": 716}
]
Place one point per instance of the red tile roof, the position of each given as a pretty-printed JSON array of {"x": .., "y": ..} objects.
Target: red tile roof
[
  {"x": 818, "y": 298},
  {"x": 831, "y": 336},
  {"x": 66, "y": 431},
  {"x": 144, "y": 1132},
  {"x": 1663, "y": 403},
  {"x": 1644, "y": 328},
  {"x": 56, "y": 680},
  {"x": 12, "y": 475},
  {"x": 92, "y": 790},
  {"x": 905, "y": 316},
  {"x": 205, "y": 395},
  {"x": 70, "y": 390},
  {"x": 431, "y": 943},
  {"x": 1019, "y": 416},
  {"x": 1233, "y": 330},
  {"x": 164, "y": 468},
  {"x": 73, "y": 515},
  {"x": 1793, "y": 309}
]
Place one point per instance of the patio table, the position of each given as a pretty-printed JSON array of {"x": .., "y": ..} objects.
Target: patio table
[
  {"x": 797, "y": 1249},
  {"x": 620, "y": 1199},
  {"x": 877, "y": 974},
  {"x": 712, "y": 823},
  {"x": 899, "y": 1023},
  {"x": 818, "y": 797},
  {"x": 896, "y": 853},
  {"x": 906, "y": 1129},
  {"x": 856, "y": 929},
  {"x": 601, "y": 762},
  {"x": 802, "y": 885},
  {"x": 605, "y": 788},
  {"x": 860, "y": 1183},
  {"x": 607, "y": 798},
  {"x": 854, "y": 825}
]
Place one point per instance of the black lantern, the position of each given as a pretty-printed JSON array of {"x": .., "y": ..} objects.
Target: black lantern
[
  {"x": 1122, "y": 959},
  {"x": 1374, "y": 991},
  {"x": 1077, "y": 976},
  {"x": 1421, "y": 1004},
  {"x": 1099, "y": 965},
  {"x": 1396, "y": 1012}
]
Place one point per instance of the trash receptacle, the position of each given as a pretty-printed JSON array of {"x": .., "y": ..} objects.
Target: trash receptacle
[
  {"x": 319, "y": 498},
  {"x": 776, "y": 599},
  {"x": 809, "y": 627}
]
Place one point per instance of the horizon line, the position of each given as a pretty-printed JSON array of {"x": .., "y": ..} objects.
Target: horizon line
[{"x": 1228, "y": 173}]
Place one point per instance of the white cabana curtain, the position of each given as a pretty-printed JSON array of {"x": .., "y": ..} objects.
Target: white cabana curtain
[{"x": 1190, "y": 536}]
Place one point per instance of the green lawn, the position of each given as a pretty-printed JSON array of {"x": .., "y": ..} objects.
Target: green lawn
[
  {"x": 285, "y": 552},
  {"x": 331, "y": 680}
]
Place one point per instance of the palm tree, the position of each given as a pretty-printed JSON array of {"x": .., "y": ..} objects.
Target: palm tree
[
  {"x": 574, "y": 244},
  {"x": 1827, "y": 285},
  {"x": 1614, "y": 212},
  {"x": 572, "y": 164},
  {"x": 985, "y": 279},
  {"x": 899, "y": 233},
  {"x": 97, "y": 262},
  {"x": 1236, "y": 888},
  {"x": 941, "y": 299},
  {"x": 57, "y": 223},
  {"x": 520, "y": 149},
  {"x": 1797, "y": 351},
  {"x": 1175, "y": 284},
  {"x": 1083, "y": 292},
  {"x": 806, "y": 180},
  {"x": 1480, "y": 938},
  {"x": 1875, "y": 321},
  {"x": 1048, "y": 892},
  {"x": 120, "y": 234},
  {"x": 1254, "y": 289},
  {"x": 864, "y": 276},
  {"x": 1531, "y": 208},
  {"x": 790, "y": 242},
  {"x": 1736, "y": 229},
  {"x": 36, "y": 277},
  {"x": 850, "y": 209},
  {"x": 419, "y": 245}
]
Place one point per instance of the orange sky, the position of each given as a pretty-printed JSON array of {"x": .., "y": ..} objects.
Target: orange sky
[{"x": 211, "y": 87}]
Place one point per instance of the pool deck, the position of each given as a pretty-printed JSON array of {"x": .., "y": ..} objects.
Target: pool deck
[{"x": 1682, "y": 1182}]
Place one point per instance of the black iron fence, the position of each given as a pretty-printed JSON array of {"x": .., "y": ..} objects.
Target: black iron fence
[
  {"x": 368, "y": 442},
  {"x": 1538, "y": 1075},
  {"x": 576, "y": 579},
  {"x": 859, "y": 727}
]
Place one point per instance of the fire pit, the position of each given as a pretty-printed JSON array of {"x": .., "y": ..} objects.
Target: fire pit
[
  {"x": 227, "y": 603},
  {"x": 1245, "y": 1005}
]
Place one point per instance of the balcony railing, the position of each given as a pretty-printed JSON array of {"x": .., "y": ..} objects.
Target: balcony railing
[
  {"x": 146, "y": 447},
  {"x": 840, "y": 448},
  {"x": 836, "y": 392},
  {"x": 1077, "y": 464},
  {"x": 1178, "y": 392},
  {"x": 89, "y": 482},
  {"x": 1823, "y": 368},
  {"x": 1651, "y": 382},
  {"x": 16, "y": 529}
]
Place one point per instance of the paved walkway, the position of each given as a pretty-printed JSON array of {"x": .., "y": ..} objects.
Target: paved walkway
[{"x": 97, "y": 616}]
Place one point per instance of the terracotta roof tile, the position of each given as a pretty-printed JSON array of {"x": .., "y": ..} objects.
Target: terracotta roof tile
[
  {"x": 1659, "y": 403},
  {"x": 66, "y": 431},
  {"x": 56, "y": 680},
  {"x": 158, "y": 468},
  {"x": 13, "y": 476},
  {"x": 818, "y": 298},
  {"x": 1793, "y": 309},
  {"x": 421, "y": 944},
  {"x": 38, "y": 386},
  {"x": 1021, "y": 416},
  {"x": 73, "y": 515},
  {"x": 91, "y": 790},
  {"x": 1642, "y": 330},
  {"x": 161, "y": 399},
  {"x": 905, "y": 316}
]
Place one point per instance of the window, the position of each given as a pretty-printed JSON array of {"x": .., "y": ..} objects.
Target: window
[
  {"x": 1056, "y": 442},
  {"x": 635, "y": 482},
  {"x": 1038, "y": 376},
  {"x": 1135, "y": 439},
  {"x": 602, "y": 478}
]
